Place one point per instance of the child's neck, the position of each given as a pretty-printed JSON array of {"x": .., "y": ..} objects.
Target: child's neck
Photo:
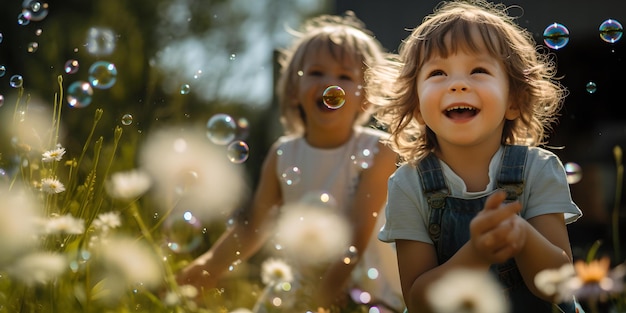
[
  {"x": 328, "y": 140},
  {"x": 469, "y": 163}
]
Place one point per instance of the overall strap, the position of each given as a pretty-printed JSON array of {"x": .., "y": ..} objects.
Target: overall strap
[
  {"x": 511, "y": 175},
  {"x": 435, "y": 189}
]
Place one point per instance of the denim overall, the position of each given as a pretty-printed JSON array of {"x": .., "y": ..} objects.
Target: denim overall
[{"x": 450, "y": 219}]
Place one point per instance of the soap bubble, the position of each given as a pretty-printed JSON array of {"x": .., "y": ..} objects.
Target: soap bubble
[
  {"x": 79, "y": 94},
  {"x": 102, "y": 75},
  {"x": 611, "y": 31},
  {"x": 221, "y": 129},
  {"x": 334, "y": 97},
  {"x": 556, "y": 36}
]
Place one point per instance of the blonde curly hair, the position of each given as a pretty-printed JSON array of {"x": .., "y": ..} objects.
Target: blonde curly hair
[
  {"x": 348, "y": 41},
  {"x": 392, "y": 85}
]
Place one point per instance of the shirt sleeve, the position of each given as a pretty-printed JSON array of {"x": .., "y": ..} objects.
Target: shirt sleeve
[
  {"x": 547, "y": 190},
  {"x": 406, "y": 213}
]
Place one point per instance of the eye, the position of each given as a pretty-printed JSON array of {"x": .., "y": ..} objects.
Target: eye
[
  {"x": 316, "y": 73},
  {"x": 436, "y": 73},
  {"x": 480, "y": 70},
  {"x": 345, "y": 77}
]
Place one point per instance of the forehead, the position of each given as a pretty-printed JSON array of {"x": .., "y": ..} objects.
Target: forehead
[
  {"x": 465, "y": 36},
  {"x": 330, "y": 47}
]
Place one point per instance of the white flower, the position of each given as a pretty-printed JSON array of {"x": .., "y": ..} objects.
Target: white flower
[
  {"x": 551, "y": 281},
  {"x": 312, "y": 234},
  {"x": 275, "y": 271},
  {"x": 38, "y": 268},
  {"x": 52, "y": 186},
  {"x": 66, "y": 224},
  {"x": 107, "y": 221},
  {"x": 128, "y": 185},
  {"x": 467, "y": 291},
  {"x": 133, "y": 260},
  {"x": 187, "y": 168},
  {"x": 53, "y": 155},
  {"x": 18, "y": 223}
]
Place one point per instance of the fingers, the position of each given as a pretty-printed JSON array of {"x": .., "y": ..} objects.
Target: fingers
[{"x": 502, "y": 242}]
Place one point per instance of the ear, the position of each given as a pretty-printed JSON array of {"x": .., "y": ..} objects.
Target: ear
[{"x": 512, "y": 111}]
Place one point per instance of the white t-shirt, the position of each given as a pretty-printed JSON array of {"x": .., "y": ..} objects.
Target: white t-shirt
[
  {"x": 337, "y": 172},
  {"x": 545, "y": 191}
]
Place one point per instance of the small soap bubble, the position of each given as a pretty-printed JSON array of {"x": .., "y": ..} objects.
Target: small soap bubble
[
  {"x": 198, "y": 74},
  {"x": 71, "y": 66},
  {"x": 556, "y": 36},
  {"x": 102, "y": 74},
  {"x": 300, "y": 73},
  {"x": 38, "y": 32},
  {"x": 221, "y": 129},
  {"x": 591, "y": 87},
  {"x": 127, "y": 119},
  {"x": 183, "y": 232},
  {"x": 16, "y": 81},
  {"x": 232, "y": 57},
  {"x": 184, "y": 89},
  {"x": 22, "y": 19},
  {"x": 611, "y": 31},
  {"x": 238, "y": 151},
  {"x": 291, "y": 175},
  {"x": 32, "y": 47},
  {"x": 334, "y": 97},
  {"x": 350, "y": 255},
  {"x": 100, "y": 41},
  {"x": 1, "y": 37},
  {"x": 574, "y": 172},
  {"x": 79, "y": 94},
  {"x": 243, "y": 128},
  {"x": 3, "y": 70},
  {"x": 1, "y": 100},
  {"x": 34, "y": 10},
  {"x": 372, "y": 273},
  {"x": 362, "y": 159}
]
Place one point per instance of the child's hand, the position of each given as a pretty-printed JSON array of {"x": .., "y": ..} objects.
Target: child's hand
[
  {"x": 497, "y": 232},
  {"x": 195, "y": 274}
]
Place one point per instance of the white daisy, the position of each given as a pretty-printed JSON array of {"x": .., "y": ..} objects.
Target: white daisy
[
  {"x": 187, "y": 168},
  {"x": 38, "y": 268},
  {"x": 65, "y": 224},
  {"x": 53, "y": 155},
  {"x": 133, "y": 260},
  {"x": 52, "y": 186},
  {"x": 107, "y": 221},
  {"x": 18, "y": 227},
  {"x": 275, "y": 271},
  {"x": 312, "y": 234},
  {"x": 467, "y": 291},
  {"x": 128, "y": 185}
]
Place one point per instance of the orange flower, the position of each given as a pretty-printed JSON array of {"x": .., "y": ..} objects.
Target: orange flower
[{"x": 593, "y": 272}]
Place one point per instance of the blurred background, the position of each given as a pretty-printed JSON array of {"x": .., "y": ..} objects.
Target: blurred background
[{"x": 180, "y": 62}]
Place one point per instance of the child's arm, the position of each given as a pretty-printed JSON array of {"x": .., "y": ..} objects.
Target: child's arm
[
  {"x": 242, "y": 240},
  {"x": 368, "y": 202},
  {"x": 488, "y": 244},
  {"x": 547, "y": 246}
]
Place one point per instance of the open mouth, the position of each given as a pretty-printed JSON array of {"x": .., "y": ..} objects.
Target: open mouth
[
  {"x": 322, "y": 106},
  {"x": 461, "y": 112}
]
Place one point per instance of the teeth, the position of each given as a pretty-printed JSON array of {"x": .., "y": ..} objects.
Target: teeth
[{"x": 460, "y": 108}]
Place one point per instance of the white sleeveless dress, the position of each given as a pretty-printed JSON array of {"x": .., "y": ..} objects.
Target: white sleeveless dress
[{"x": 337, "y": 171}]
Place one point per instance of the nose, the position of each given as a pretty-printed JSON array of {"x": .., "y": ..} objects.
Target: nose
[{"x": 459, "y": 85}]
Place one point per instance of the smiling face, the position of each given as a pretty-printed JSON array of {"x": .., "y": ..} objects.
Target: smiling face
[
  {"x": 464, "y": 96},
  {"x": 324, "y": 66}
]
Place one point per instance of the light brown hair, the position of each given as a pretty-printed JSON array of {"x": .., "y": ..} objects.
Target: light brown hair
[
  {"x": 532, "y": 86},
  {"x": 347, "y": 40}
]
